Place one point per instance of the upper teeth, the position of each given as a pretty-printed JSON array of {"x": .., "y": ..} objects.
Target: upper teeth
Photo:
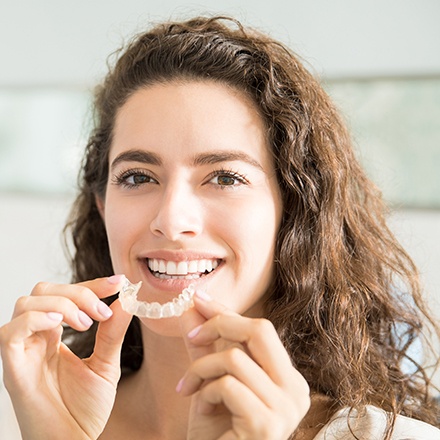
[{"x": 181, "y": 267}]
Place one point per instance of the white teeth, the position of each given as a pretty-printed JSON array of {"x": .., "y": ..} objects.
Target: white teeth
[
  {"x": 192, "y": 267},
  {"x": 182, "y": 268},
  {"x": 201, "y": 266},
  {"x": 156, "y": 265},
  {"x": 171, "y": 268},
  {"x": 162, "y": 266}
]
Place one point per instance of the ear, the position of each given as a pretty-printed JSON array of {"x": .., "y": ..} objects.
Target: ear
[{"x": 100, "y": 204}]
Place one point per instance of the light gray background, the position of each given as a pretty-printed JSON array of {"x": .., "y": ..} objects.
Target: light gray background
[{"x": 49, "y": 45}]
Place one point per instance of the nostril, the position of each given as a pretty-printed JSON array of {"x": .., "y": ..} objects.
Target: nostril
[{"x": 178, "y": 216}]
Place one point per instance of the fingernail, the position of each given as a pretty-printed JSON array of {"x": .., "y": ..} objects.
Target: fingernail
[
  {"x": 115, "y": 279},
  {"x": 179, "y": 386},
  {"x": 203, "y": 295},
  {"x": 194, "y": 332},
  {"x": 55, "y": 316},
  {"x": 84, "y": 319},
  {"x": 104, "y": 310}
]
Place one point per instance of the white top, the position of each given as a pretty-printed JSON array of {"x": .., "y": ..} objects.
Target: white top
[
  {"x": 372, "y": 425},
  {"x": 369, "y": 427}
]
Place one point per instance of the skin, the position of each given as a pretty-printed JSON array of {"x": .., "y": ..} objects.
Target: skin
[
  {"x": 201, "y": 185},
  {"x": 190, "y": 133}
]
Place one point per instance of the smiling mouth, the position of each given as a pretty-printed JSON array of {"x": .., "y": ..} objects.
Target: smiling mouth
[{"x": 181, "y": 270}]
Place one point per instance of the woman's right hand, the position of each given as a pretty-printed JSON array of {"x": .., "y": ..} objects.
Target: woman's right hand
[{"x": 55, "y": 394}]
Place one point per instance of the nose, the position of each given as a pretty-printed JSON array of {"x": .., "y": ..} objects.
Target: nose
[{"x": 178, "y": 214}]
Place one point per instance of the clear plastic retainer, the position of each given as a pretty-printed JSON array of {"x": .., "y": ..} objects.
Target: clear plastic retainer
[{"x": 144, "y": 309}]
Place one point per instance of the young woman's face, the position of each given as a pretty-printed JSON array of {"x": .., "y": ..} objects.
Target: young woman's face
[{"x": 192, "y": 196}]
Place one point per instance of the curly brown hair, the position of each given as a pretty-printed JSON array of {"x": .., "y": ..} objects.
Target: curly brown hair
[{"x": 345, "y": 298}]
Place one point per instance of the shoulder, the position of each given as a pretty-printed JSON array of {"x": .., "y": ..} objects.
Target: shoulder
[
  {"x": 371, "y": 425},
  {"x": 8, "y": 423}
]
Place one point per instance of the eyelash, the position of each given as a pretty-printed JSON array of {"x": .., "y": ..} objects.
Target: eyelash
[
  {"x": 121, "y": 179},
  {"x": 228, "y": 173}
]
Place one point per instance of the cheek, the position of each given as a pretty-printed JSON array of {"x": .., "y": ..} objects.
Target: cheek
[
  {"x": 250, "y": 229},
  {"x": 260, "y": 231},
  {"x": 124, "y": 222}
]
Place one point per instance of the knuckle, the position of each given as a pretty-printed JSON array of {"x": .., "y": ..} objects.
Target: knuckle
[
  {"x": 234, "y": 357},
  {"x": 20, "y": 304},
  {"x": 228, "y": 383},
  {"x": 40, "y": 288},
  {"x": 263, "y": 326}
]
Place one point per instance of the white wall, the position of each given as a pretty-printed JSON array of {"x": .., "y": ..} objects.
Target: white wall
[
  {"x": 66, "y": 43},
  {"x": 31, "y": 251}
]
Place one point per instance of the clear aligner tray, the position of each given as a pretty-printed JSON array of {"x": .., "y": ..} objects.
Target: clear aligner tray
[{"x": 144, "y": 309}]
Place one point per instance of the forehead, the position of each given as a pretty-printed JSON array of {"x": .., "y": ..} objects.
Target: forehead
[{"x": 197, "y": 114}]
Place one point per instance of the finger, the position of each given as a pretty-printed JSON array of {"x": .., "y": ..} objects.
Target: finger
[
  {"x": 104, "y": 287},
  {"x": 105, "y": 359},
  {"x": 204, "y": 308},
  {"x": 26, "y": 325},
  {"x": 26, "y": 341},
  {"x": 71, "y": 312},
  {"x": 251, "y": 418},
  {"x": 236, "y": 397},
  {"x": 236, "y": 363},
  {"x": 188, "y": 321},
  {"x": 257, "y": 335},
  {"x": 85, "y": 295},
  {"x": 208, "y": 307},
  {"x": 100, "y": 287}
]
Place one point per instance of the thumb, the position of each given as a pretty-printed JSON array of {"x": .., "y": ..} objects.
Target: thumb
[{"x": 106, "y": 356}]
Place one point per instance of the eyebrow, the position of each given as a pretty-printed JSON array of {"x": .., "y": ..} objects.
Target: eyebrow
[
  {"x": 141, "y": 156},
  {"x": 213, "y": 157}
]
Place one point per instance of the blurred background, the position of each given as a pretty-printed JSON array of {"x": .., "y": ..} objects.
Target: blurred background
[{"x": 379, "y": 59}]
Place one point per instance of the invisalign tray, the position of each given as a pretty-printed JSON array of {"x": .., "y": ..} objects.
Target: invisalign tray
[{"x": 144, "y": 309}]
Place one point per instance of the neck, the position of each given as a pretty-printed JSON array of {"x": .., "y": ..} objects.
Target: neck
[{"x": 147, "y": 399}]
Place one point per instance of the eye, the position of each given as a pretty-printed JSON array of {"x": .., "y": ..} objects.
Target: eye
[
  {"x": 133, "y": 179},
  {"x": 224, "y": 179},
  {"x": 138, "y": 179}
]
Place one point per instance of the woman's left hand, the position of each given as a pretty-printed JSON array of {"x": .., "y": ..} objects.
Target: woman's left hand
[{"x": 241, "y": 378}]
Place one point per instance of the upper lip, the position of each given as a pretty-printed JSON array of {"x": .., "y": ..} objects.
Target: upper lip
[{"x": 178, "y": 256}]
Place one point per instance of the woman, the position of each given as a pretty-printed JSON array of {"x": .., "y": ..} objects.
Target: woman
[{"x": 218, "y": 161}]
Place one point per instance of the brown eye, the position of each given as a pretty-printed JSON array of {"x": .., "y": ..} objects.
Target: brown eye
[
  {"x": 226, "y": 180},
  {"x": 133, "y": 179},
  {"x": 139, "y": 179}
]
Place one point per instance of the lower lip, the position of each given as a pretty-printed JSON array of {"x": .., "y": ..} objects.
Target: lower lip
[{"x": 171, "y": 285}]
